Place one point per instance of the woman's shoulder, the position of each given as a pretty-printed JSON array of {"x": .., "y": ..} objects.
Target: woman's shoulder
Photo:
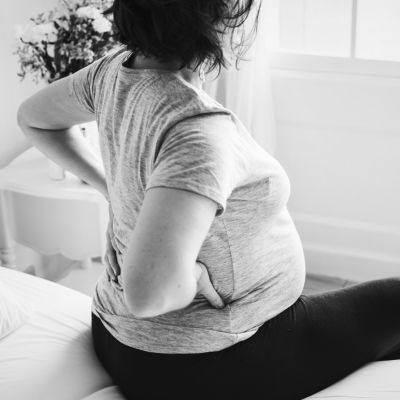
[
  {"x": 181, "y": 100},
  {"x": 99, "y": 68},
  {"x": 116, "y": 52}
]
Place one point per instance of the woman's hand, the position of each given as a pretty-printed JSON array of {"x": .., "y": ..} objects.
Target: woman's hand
[
  {"x": 111, "y": 256},
  {"x": 205, "y": 287}
]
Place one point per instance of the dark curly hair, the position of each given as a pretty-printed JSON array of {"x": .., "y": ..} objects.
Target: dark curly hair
[{"x": 192, "y": 31}]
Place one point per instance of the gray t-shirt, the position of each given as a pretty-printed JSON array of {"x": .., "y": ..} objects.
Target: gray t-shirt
[{"x": 156, "y": 129}]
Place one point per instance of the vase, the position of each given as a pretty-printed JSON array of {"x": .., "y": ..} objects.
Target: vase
[
  {"x": 56, "y": 173},
  {"x": 90, "y": 133}
]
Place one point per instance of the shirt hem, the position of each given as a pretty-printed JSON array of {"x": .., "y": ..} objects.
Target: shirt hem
[{"x": 223, "y": 341}]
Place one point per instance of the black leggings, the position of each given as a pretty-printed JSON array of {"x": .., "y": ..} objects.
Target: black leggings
[{"x": 311, "y": 345}]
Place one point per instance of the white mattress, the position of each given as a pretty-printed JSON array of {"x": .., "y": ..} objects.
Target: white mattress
[{"x": 51, "y": 356}]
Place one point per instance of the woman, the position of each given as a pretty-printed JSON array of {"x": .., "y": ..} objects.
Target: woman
[{"x": 202, "y": 290}]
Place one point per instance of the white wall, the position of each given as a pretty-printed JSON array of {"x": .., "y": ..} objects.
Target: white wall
[
  {"x": 339, "y": 141},
  {"x": 13, "y": 91}
]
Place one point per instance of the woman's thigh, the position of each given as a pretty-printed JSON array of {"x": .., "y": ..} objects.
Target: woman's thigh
[
  {"x": 314, "y": 343},
  {"x": 140, "y": 374}
]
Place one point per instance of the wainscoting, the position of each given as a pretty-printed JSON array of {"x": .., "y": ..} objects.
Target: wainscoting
[
  {"x": 352, "y": 250},
  {"x": 339, "y": 142}
]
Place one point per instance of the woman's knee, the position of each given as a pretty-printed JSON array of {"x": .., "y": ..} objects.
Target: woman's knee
[
  {"x": 388, "y": 286},
  {"x": 379, "y": 295}
]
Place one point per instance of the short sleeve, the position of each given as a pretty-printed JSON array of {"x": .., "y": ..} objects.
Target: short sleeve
[
  {"x": 81, "y": 85},
  {"x": 198, "y": 155}
]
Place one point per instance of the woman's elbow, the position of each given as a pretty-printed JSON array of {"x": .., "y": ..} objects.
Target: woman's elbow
[
  {"x": 22, "y": 121},
  {"x": 143, "y": 308},
  {"x": 21, "y": 118},
  {"x": 147, "y": 301}
]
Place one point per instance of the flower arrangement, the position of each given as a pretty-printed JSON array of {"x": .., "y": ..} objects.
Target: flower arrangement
[{"x": 59, "y": 42}]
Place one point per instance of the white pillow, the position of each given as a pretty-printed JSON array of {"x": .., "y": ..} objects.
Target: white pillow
[{"x": 13, "y": 313}]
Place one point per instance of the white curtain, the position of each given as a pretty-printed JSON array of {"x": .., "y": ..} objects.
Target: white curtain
[{"x": 247, "y": 91}]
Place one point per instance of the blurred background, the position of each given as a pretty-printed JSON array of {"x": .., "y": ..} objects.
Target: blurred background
[{"x": 321, "y": 93}]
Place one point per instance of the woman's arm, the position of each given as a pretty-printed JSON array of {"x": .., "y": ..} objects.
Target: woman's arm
[
  {"x": 160, "y": 271},
  {"x": 49, "y": 119}
]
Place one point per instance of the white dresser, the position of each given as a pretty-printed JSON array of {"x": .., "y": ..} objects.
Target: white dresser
[{"x": 66, "y": 217}]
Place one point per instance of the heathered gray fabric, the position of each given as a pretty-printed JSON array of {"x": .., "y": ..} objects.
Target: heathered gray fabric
[{"x": 158, "y": 130}]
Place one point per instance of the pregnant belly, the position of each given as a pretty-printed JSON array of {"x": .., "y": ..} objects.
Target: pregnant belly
[{"x": 273, "y": 278}]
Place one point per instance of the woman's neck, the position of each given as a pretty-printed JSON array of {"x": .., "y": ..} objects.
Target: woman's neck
[{"x": 141, "y": 62}]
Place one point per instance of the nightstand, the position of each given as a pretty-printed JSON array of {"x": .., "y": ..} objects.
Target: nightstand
[{"x": 66, "y": 217}]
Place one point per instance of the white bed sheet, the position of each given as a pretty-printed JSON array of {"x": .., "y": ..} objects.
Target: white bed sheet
[{"x": 51, "y": 356}]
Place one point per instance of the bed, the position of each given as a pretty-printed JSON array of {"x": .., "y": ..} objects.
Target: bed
[{"x": 50, "y": 357}]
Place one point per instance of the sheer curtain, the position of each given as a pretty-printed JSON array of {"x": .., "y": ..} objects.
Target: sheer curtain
[{"x": 247, "y": 91}]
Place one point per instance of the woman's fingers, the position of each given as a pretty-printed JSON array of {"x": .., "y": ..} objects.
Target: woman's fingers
[
  {"x": 207, "y": 289},
  {"x": 111, "y": 256},
  {"x": 112, "y": 267},
  {"x": 213, "y": 297},
  {"x": 113, "y": 261}
]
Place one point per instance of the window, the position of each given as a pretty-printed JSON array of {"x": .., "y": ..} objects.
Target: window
[
  {"x": 378, "y": 30},
  {"x": 362, "y": 29}
]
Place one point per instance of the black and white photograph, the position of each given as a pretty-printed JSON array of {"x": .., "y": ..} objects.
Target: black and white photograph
[{"x": 200, "y": 200}]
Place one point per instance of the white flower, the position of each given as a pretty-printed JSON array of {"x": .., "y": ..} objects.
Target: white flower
[
  {"x": 101, "y": 25},
  {"x": 88, "y": 12},
  {"x": 50, "y": 50},
  {"x": 46, "y": 29},
  {"x": 36, "y": 33},
  {"x": 30, "y": 34},
  {"x": 63, "y": 24}
]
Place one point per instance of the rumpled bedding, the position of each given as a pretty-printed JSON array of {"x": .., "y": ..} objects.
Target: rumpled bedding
[{"x": 51, "y": 356}]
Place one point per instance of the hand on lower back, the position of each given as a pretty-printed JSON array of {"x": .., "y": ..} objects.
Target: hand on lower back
[
  {"x": 111, "y": 255},
  {"x": 205, "y": 287}
]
